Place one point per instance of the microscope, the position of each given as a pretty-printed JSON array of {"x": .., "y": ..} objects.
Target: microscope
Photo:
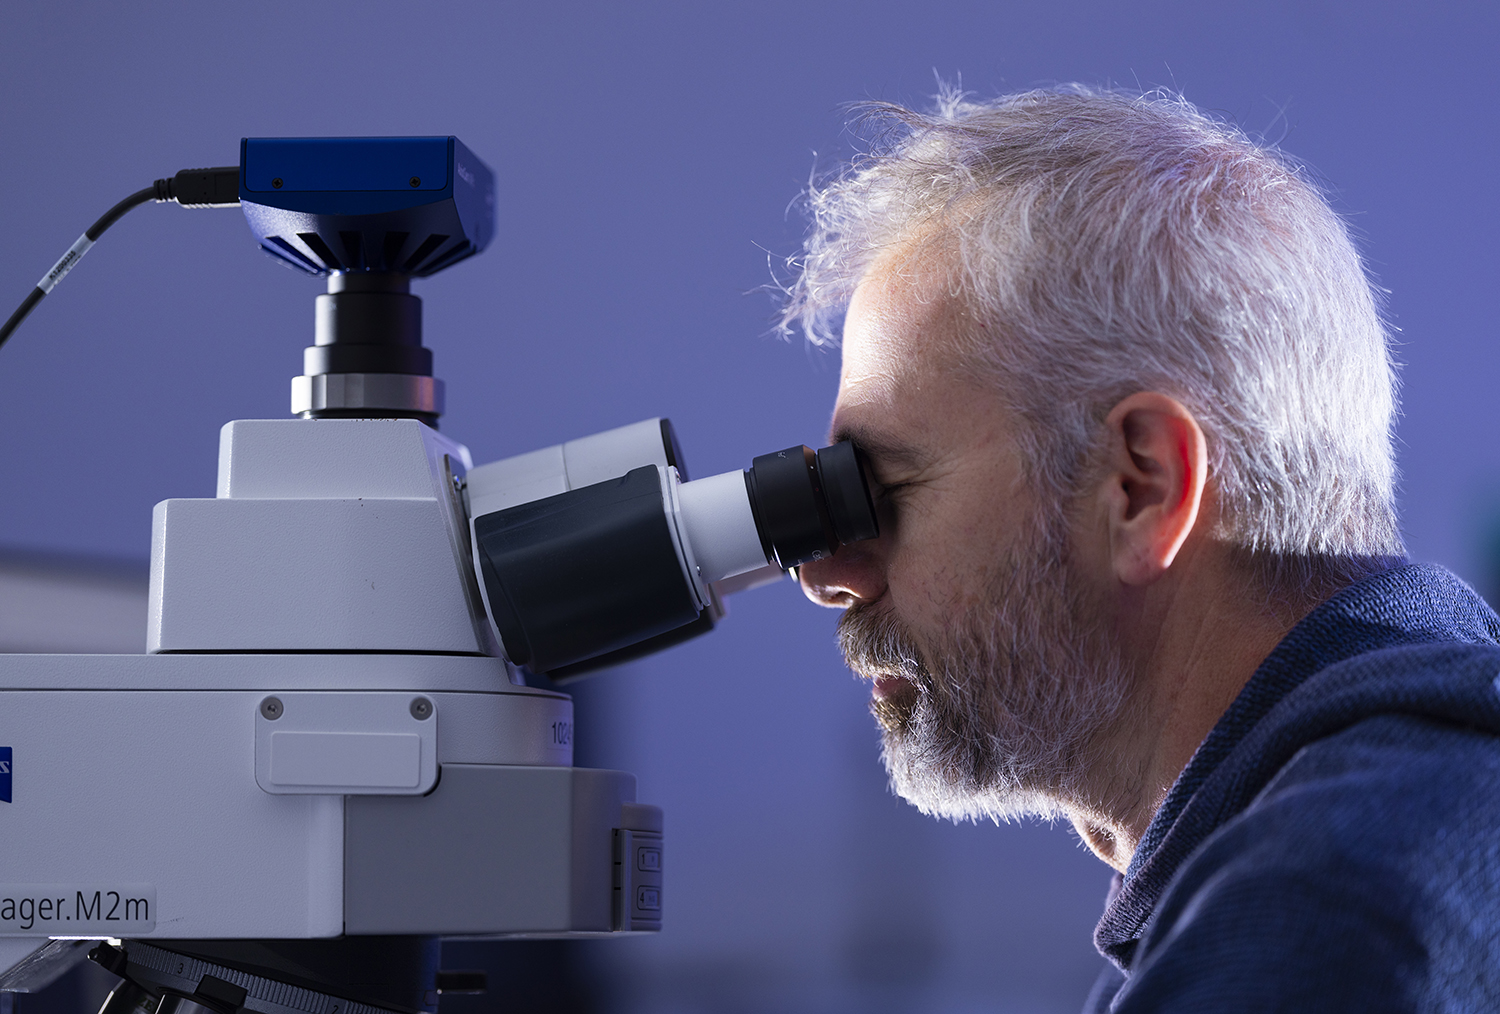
[{"x": 329, "y": 757}]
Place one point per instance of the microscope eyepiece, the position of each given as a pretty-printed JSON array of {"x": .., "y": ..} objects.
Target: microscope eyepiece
[
  {"x": 846, "y": 490},
  {"x": 599, "y": 550},
  {"x": 808, "y": 503}
]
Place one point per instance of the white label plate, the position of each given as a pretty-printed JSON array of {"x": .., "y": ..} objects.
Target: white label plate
[{"x": 365, "y": 743}]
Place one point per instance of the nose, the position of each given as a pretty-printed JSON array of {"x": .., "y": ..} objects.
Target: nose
[{"x": 856, "y": 573}]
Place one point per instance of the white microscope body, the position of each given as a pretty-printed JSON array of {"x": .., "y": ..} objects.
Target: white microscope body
[
  {"x": 317, "y": 657},
  {"x": 327, "y": 758}
]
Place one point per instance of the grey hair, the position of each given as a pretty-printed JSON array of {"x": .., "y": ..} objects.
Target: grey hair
[{"x": 1109, "y": 242}]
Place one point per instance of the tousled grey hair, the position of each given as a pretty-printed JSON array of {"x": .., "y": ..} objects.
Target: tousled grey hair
[{"x": 1108, "y": 242}]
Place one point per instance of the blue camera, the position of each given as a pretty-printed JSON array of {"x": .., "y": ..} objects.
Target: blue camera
[{"x": 408, "y": 206}]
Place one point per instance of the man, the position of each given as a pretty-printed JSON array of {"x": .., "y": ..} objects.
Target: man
[{"x": 1127, "y": 399}]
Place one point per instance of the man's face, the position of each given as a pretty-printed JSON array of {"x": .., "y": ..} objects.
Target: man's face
[{"x": 992, "y": 677}]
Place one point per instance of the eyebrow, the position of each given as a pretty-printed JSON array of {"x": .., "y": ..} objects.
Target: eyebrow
[{"x": 880, "y": 449}]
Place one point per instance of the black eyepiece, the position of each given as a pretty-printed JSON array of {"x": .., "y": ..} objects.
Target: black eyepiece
[
  {"x": 807, "y": 504},
  {"x": 846, "y": 490}
]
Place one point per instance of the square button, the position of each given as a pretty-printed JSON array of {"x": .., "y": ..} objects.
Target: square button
[
  {"x": 648, "y": 899},
  {"x": 648, "y": 859}
]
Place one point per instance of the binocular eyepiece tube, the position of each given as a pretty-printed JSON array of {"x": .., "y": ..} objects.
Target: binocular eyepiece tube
[
  {"x": 600, "y": 550},
  {"x": 788, "y": 509}
]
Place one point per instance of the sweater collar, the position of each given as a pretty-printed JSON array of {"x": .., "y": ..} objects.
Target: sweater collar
[{"x": 1411, "y": 604}]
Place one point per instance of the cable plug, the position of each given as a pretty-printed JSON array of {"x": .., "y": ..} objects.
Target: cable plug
[{"x": 202, "y": 188}]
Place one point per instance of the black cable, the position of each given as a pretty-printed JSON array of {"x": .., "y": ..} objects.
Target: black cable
[
  {"x": 155, "y": 191},
  {"x": 27, "y": 305},
  {"x": 205, "y": 188},
  {"x": 76, "y": 251}
]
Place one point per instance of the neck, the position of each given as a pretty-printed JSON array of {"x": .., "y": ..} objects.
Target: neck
[{"x": 1194, "y": 639}]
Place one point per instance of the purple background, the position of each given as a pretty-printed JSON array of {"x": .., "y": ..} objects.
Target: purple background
[{"x": 646, "y": 155}]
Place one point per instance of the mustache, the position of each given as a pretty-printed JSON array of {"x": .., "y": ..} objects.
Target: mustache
[{"x": 875, "y": 644}]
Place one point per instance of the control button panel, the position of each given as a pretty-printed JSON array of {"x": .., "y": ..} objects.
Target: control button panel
[{"x": 637, "y": 883}]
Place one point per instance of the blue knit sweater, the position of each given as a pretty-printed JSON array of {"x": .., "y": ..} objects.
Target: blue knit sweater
[{"x": 1334, "y": 844}]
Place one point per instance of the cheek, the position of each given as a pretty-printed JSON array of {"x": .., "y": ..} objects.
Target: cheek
[{"x": 941, "y": 561}]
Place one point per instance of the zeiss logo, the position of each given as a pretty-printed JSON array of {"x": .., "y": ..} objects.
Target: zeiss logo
[{"x": 4, "y": 774}]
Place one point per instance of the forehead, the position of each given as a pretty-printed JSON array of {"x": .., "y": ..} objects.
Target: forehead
[{"x": 899, "y": 355}]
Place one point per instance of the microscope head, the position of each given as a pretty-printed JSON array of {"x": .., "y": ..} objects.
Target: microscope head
[{"x": 370, "y": 213}]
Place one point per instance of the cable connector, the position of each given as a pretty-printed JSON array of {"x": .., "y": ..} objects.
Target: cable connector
[{"x": 202, "y": 188}]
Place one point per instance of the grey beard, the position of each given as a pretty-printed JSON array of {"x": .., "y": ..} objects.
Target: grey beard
[{"x": 1004, "y": 713}]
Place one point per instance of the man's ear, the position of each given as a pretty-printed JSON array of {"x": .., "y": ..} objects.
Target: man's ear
[{"x": 1154, "y": 469}]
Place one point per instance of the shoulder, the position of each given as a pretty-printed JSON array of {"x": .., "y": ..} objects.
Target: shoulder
[{"x": 1364, "y": 876}]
